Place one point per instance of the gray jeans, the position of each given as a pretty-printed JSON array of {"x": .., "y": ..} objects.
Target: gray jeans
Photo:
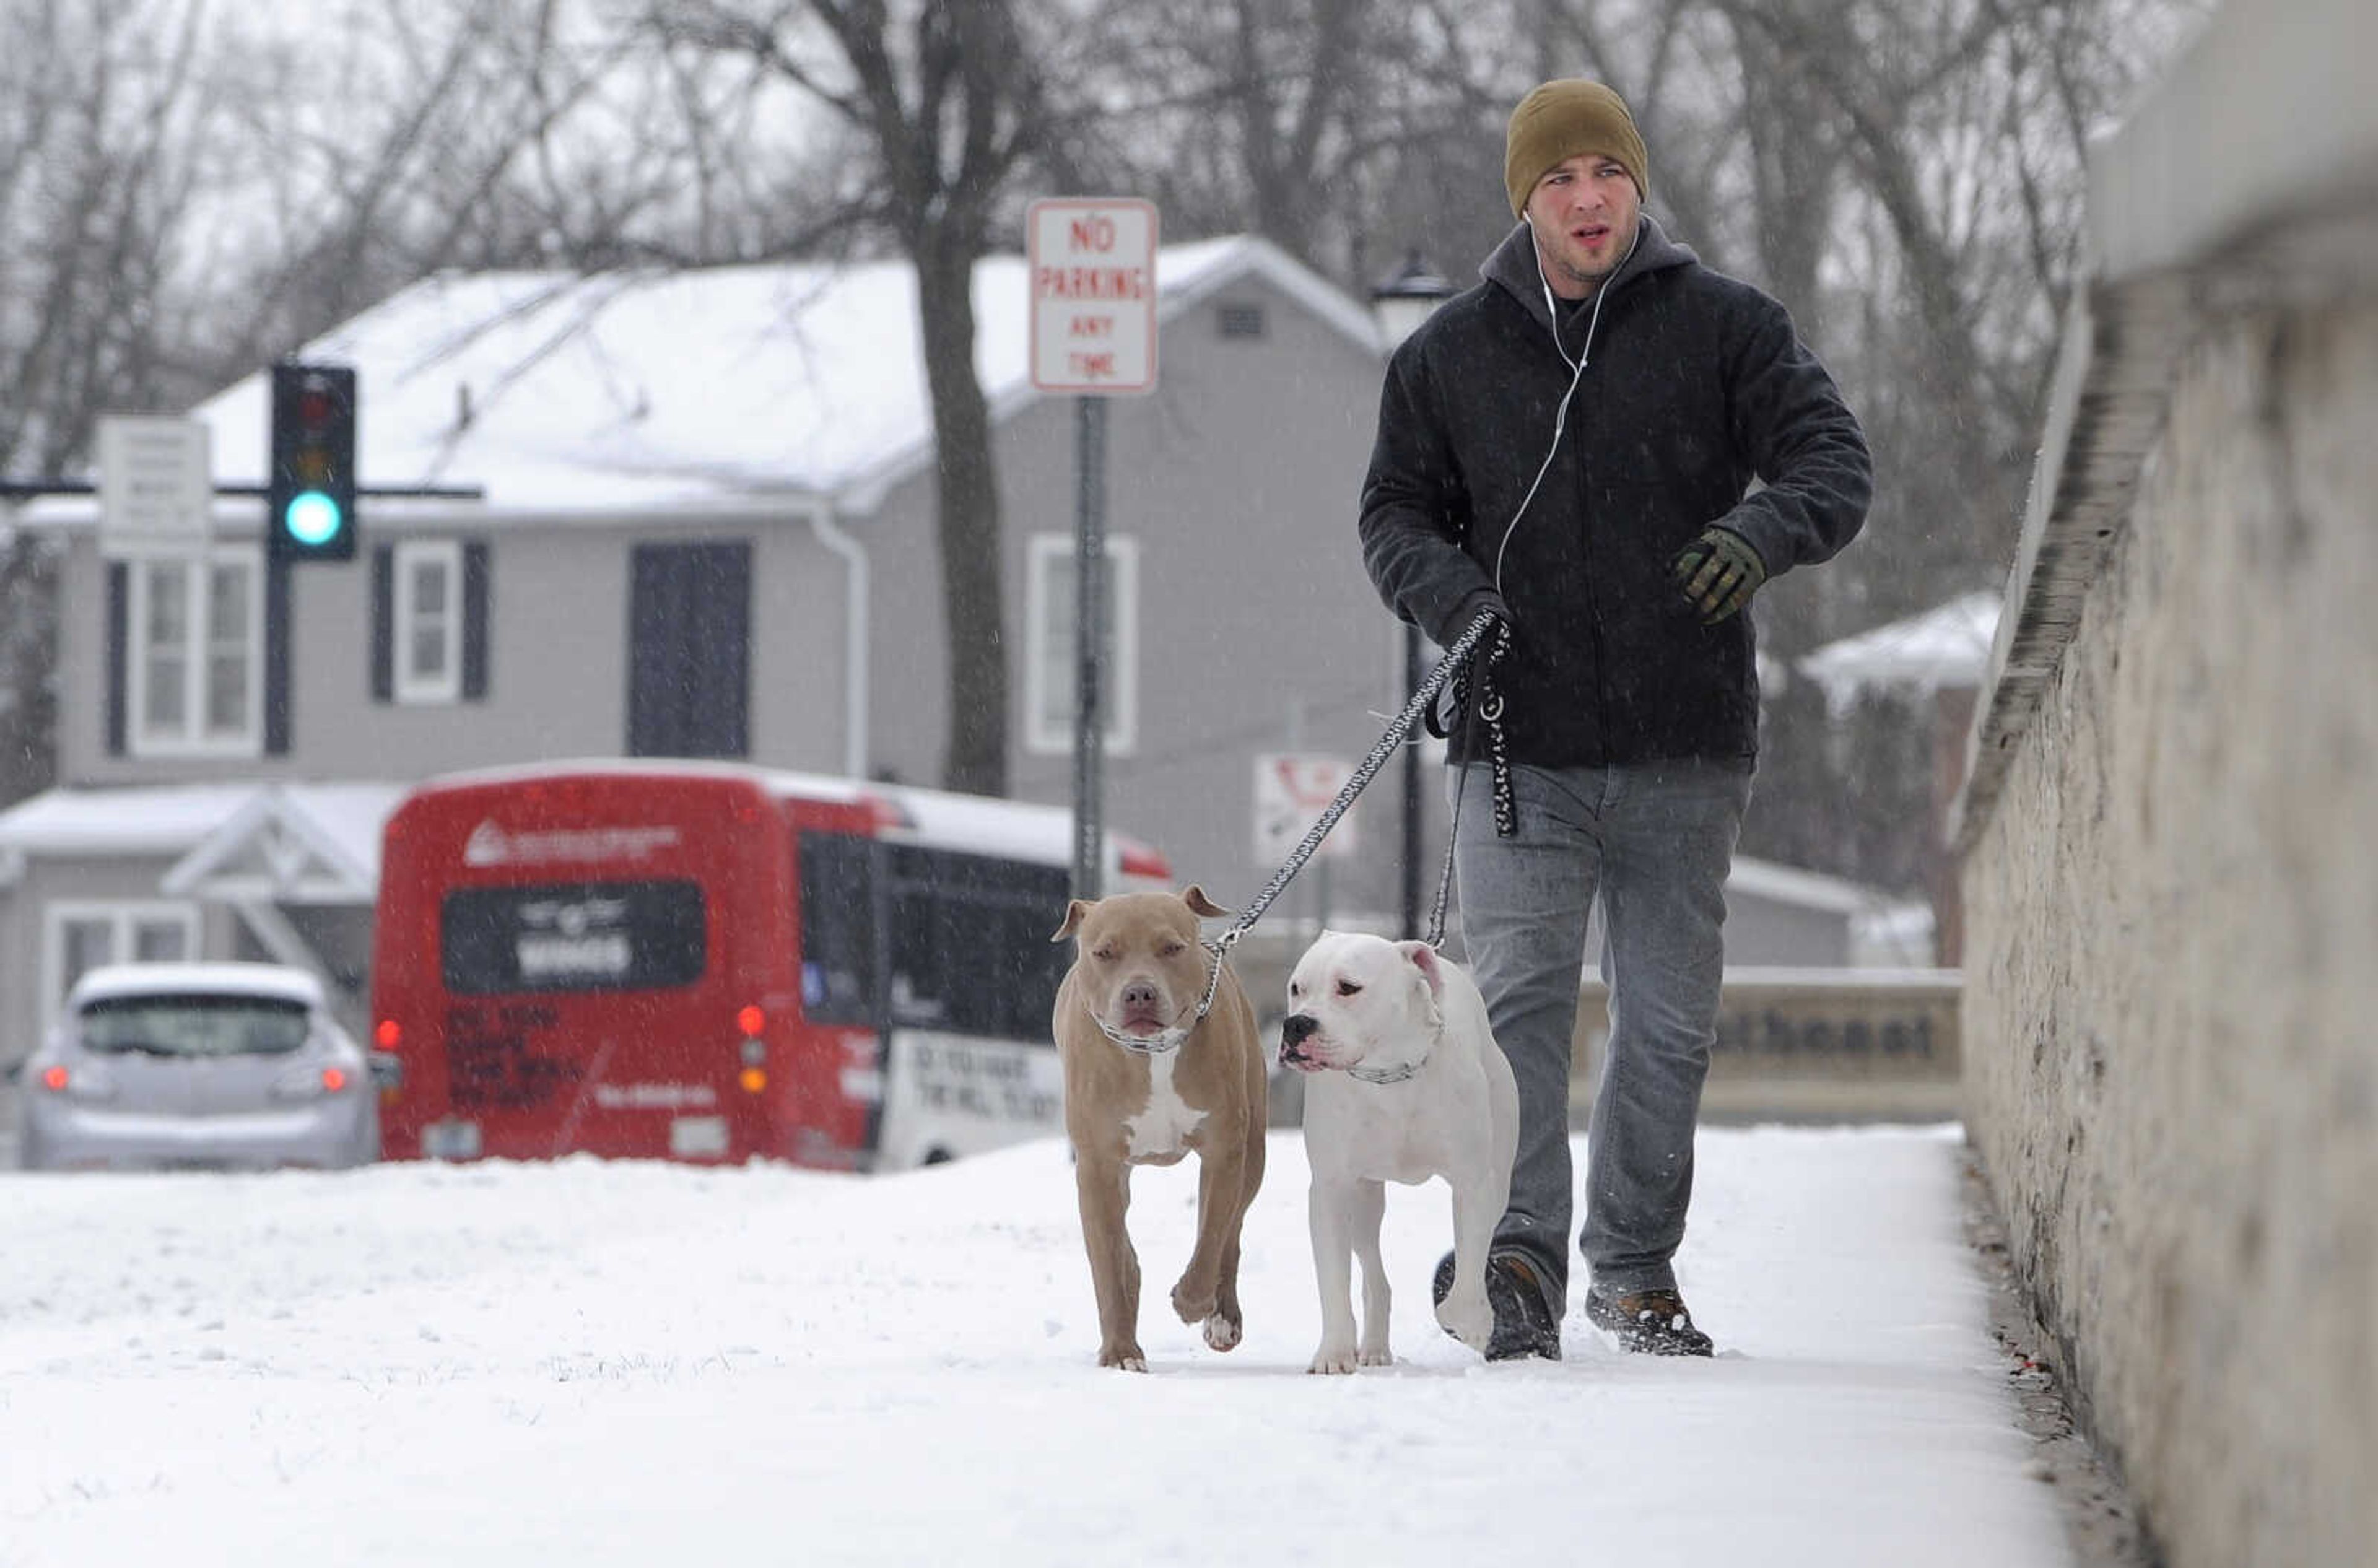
[{"x": 1655, "y": 842}]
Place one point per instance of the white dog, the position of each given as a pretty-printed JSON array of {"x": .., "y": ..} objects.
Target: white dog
[{"x": 1406, "y": 1083}]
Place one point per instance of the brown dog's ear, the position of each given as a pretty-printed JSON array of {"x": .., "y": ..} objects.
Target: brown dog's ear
[
  {"x": 1426, "y": 959},
  {"x": 1194, "y": 897},
  {"x": 1075, "y": 913}
]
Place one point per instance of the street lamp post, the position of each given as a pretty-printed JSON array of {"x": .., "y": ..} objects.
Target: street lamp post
[{"x": 1402, "y": 301}]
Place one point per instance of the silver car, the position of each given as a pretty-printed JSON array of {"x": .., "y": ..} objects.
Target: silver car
[{"x": 214, "y": 1065}]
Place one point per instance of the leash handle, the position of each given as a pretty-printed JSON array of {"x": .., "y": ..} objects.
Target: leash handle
[{"x": 1398, "y": 734}]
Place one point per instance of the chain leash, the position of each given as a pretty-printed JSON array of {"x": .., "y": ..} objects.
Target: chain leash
[{"x": 1454, "y": 667}]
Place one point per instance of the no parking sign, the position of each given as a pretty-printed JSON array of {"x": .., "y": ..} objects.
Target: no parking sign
[{"x": 1292, "y": 790}]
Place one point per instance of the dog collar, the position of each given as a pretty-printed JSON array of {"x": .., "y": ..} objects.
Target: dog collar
[
  {"x": 1153, "y": 1044},
  {"x": 1169, "y": 1039},
  {"x": 1399, "y": 1074}
]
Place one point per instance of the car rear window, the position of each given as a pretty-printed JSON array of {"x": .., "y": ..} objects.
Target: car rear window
[{"x": 194, "y": 1025}]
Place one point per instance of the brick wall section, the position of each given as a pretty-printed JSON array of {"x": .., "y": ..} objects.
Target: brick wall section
[{"x": 2172, "y": 915}]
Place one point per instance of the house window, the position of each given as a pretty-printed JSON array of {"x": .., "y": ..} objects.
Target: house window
[
  {"x": 81, "y": 936},
  {"x": 1239, "y": 320},
  {"x": 429, "y": 610},
  {"x": 1048, "y": 645},
  {"x": 196, "y": 665}
]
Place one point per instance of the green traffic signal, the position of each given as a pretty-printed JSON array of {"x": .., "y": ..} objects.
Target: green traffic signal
[
  {"x": 310, "y": 494},
  {"x": 312, "y": 519}
]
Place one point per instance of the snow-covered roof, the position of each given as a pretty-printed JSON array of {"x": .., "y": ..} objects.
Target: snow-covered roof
[
  {"x": 1945, "y": 646},
  {"x": 316, "y": 843},
  {"x": 308, "y": 844},
  {"x": 567, "y": 393},
  {"x": 137, "y": 820},
  {"x": 1780, "y": 883}
]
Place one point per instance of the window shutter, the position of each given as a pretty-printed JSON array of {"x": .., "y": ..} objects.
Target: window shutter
[
  {"x": 277, "y": 637},
  {"x": 383, "y": 623},
  {"x": 119, "y": 646},
  {"x": 475, "y": 621}
]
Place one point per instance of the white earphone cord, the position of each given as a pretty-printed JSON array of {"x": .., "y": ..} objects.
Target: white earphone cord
[{"x": 1560, "y": 415}]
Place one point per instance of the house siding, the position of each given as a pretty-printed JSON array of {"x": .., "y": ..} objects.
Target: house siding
[
  {"x": 557, "y": 656},
  {"x": 1258, "y": 630}
]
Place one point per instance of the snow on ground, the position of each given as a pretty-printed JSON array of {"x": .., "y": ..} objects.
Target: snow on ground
[{"x": 599, "y": 1363}]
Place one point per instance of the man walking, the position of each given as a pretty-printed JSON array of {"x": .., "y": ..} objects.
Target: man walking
[{"x": 1570, "y": 446}]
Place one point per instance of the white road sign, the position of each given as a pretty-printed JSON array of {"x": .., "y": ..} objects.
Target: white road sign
[
  {"x": 1093, "y": 266},
  {"x": 1292, "y": 790},
  {"x": 156, "y": 482}
]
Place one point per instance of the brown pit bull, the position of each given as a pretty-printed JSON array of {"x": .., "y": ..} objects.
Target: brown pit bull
[{"x": 1147, "y": 1082}]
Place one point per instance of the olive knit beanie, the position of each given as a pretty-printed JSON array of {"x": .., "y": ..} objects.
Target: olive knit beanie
[{"x": 1561, "y": 119}]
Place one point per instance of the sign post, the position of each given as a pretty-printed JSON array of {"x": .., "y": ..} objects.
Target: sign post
[{"x": 1092, "y": 261}]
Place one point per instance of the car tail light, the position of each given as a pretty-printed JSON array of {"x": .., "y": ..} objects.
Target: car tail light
[
  {"x": 87, "y": 1081},
  {"x": 309, "y": 1083},
  {"x": 1142, "y": 861}
]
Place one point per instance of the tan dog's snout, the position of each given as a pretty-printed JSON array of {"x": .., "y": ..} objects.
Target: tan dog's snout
[{"x": 1141, "y": 1000}]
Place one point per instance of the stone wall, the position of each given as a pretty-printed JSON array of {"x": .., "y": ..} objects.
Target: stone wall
[
  {"x": 2172, "y": 914},
  {"x": 2170, "y": 819}
]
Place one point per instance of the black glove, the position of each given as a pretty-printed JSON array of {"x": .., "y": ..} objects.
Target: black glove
[
  {"x": 1483, "y": 601},
  {"x": 1719, "y": 572}
]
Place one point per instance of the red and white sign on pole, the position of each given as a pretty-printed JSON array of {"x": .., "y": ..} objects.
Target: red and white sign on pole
[
  {"x": 1292, "y": 790},
  {"x": 1093, "y": 263}
]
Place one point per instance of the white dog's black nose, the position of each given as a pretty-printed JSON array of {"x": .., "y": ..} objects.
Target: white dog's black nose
[{"x": 1297, "y": 1028}]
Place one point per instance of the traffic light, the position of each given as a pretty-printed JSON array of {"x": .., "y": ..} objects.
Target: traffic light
[{"x": 311, "y": 498}]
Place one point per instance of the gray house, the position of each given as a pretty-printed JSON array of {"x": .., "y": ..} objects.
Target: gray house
[{"x": 707, "y": 530}]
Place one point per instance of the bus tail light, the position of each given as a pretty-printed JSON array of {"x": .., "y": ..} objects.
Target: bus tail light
[
  {"x": 751, "y": 1019},
  {"x": 388, "y": 1035},
  {"x": 754, "y": 1080}
]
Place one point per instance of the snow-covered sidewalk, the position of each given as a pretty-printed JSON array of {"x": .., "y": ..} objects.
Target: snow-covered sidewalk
[{"x": 592, "y": 1364}]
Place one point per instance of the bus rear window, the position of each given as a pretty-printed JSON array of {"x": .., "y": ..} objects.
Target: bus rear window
[
  {"x": 838, "y": 916},
  {"x": 929, "y": 938},
  {"x": 572, "y": 936}
]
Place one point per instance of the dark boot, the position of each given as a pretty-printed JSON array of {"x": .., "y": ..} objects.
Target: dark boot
[
  {"x": 1652, "y": 1322},
  {"x": 1524, "y": 1324}
]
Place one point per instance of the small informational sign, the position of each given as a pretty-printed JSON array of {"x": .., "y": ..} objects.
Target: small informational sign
[
  {"x": 156, "y": 482},
  {"x": 1812, "y": 1045},
  {"x": 1093, "y": 266},
  {"x": 1292, "y": 790}
]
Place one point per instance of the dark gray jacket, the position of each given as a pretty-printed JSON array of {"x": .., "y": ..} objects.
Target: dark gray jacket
[{"x": 1694, "y": 383}]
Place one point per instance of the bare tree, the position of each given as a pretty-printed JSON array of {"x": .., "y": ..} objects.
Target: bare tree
[
  {"x": 947, "y": 107},
  {"x": 109, "y": 124}
]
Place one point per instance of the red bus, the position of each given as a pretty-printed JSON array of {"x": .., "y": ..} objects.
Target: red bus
[{"x": 712, "y": 962}]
